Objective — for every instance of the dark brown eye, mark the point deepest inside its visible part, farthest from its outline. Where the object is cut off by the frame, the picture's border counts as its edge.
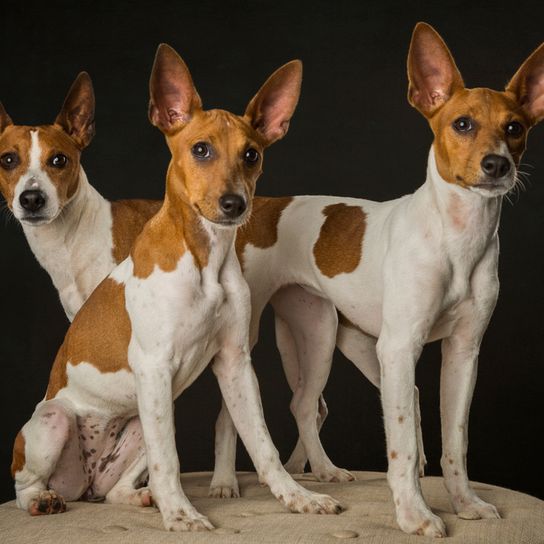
(514, 129)
(251, 156)
(9, 161)
(463, 124)
(58, 161)
(201, 150)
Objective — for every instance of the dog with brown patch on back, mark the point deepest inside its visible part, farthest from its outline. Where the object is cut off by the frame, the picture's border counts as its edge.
(75, 234)
(395, 275)
(149, 329)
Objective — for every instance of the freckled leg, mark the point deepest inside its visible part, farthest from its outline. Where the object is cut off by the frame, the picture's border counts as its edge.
(398, 358)
(224, 483)
(306, 337)
(458, 378)
(121, 471)
(53, 472)
(241, 393)
(361, 350)
(155, 406)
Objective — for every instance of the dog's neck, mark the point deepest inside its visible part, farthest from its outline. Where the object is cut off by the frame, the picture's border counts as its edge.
(71, 247)
(209, 243)
(467, 219)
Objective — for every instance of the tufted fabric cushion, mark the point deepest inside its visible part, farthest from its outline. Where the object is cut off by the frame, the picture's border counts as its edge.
(257, 518)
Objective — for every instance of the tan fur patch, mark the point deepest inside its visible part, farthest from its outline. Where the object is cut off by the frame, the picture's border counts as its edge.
(339, 246)
(129, 218)
(52, 140)
(100, 338)
(19, 458)
(459, 156)
(261, 230)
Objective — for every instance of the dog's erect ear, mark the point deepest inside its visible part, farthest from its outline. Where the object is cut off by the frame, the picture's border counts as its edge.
(527, 85)
(271, 109)
(76, 117)
(432, 74)
(5, 119)
(173, 95)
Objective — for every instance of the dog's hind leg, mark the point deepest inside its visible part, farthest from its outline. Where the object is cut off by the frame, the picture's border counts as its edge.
(47, 464)
(306, 335)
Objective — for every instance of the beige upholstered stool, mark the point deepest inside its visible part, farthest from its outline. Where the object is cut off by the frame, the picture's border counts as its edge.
(257, 518)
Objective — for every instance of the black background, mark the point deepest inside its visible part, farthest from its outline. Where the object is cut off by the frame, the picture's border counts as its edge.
(354, 134)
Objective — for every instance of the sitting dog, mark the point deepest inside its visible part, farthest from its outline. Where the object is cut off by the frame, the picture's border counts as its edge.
(176, 303)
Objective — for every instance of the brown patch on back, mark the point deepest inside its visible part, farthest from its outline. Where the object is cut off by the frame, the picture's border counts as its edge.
(339, 246)
(129, 218)
(99, 338)
(18, 460)
(261, 230)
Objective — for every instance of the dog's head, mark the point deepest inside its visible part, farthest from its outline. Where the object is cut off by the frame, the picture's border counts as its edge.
(39, 165)
(217, 156)
(480, 134)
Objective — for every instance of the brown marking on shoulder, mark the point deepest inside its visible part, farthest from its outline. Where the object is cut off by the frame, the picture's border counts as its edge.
(100, 338)
(339, 246)
(128, 220)
(166, 237)
(18, 459)
(261, 230)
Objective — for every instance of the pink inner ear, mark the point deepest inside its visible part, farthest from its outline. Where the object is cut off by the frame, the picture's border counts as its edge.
(275, 113)
(535, 95)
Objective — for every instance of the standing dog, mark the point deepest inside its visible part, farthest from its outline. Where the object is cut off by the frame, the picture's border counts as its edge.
(150, 328)
(400, 273)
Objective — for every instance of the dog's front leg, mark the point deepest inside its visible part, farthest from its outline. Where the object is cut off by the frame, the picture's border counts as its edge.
(398, 356)
(457, 381)
(240, 390)
(155, 405)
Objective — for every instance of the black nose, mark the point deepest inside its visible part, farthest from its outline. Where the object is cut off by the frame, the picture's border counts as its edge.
(232, 206)
(32, 200)
(495, 166)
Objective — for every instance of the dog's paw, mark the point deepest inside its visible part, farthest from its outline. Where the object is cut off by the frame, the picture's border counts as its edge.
(475, 508)
(224, 492)
(311, 503)
(421, 522)
(183, 522)
(334, 474)
(47, 502)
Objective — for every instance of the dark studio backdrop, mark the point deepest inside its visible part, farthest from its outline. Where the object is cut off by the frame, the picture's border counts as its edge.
(353, 134)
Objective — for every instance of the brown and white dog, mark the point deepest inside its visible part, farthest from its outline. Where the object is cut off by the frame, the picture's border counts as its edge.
(176, 303)
(399, 274)
(75, 233)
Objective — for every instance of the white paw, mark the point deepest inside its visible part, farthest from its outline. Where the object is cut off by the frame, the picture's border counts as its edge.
(475, 508)
(183, 522)
(333, 474)
(421, 522)
(311, 503)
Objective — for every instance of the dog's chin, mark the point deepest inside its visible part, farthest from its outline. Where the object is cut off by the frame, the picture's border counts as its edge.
(37, 220)
(492, 188)
(225, 223)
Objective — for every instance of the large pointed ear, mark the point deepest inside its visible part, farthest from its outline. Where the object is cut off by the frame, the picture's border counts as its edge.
(173, 95)
(527, 85)
(271, 109)
(76, 117)
(432, 74)
(5, 119)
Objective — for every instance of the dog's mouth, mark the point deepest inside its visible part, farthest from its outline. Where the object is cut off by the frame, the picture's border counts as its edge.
(36, 220)
(493, 187)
